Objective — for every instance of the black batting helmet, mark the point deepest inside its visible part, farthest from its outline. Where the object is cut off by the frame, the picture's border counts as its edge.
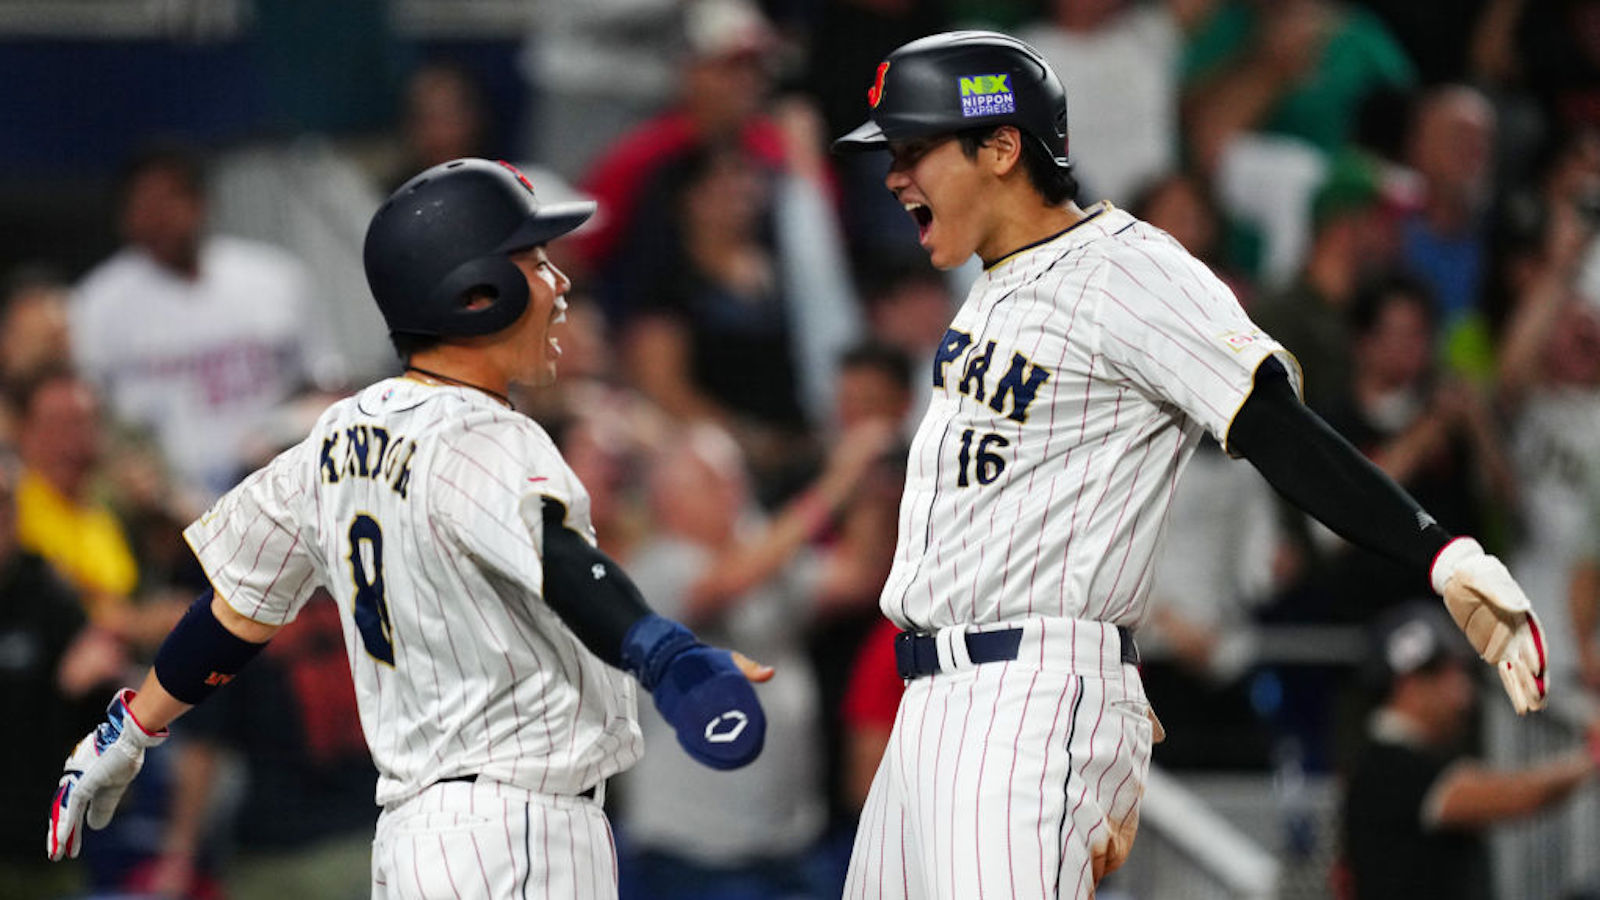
(447, 233)
(959, 80)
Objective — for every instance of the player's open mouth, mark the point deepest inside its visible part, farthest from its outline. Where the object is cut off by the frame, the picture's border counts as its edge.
(923, 216)
(559, 317)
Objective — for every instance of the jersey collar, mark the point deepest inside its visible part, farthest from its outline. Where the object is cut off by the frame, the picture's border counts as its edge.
(1094, 212)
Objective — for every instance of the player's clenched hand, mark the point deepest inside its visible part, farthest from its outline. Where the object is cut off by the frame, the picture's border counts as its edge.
(96, 775)
(1494, 613)
(703, 692)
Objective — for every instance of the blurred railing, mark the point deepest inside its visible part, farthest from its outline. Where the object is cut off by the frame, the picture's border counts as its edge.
(1555, 855)
(1187, 850)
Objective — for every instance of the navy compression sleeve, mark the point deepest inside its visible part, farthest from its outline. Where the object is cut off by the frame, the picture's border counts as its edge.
(587, 589)
(1321, 473)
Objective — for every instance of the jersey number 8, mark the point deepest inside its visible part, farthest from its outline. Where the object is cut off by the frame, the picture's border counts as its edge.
(371, 610)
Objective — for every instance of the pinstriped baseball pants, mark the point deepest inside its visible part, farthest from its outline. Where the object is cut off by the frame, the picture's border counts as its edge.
(491, 841)
(1017, 779)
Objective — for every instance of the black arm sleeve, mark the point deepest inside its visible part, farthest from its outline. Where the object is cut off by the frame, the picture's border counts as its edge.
(587, 589)
(1320, 472)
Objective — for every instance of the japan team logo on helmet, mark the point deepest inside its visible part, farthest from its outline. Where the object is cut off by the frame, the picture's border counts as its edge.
(875, 93)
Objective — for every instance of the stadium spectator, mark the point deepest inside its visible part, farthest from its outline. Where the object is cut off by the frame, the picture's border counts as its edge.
(1299, 68)
(1352, 239)
(1416, 808)
(845, 527)
(33, 323)
(1451, 147)
(724, 318)
(908, 305)
(723, 83)
(696, 833)
(1548, 384)
(445, 117)
(59, 443)
(1432, 433)
(53, 669)
(1119, 61)
(189, 335)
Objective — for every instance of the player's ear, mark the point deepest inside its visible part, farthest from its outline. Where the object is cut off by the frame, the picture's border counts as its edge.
(1005, 146)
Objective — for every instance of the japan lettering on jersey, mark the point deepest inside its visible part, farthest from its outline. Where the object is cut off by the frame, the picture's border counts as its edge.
(1068, 393)
(419, 508)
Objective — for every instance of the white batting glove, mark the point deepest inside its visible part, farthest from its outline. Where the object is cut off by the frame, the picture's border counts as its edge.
(96, 775)
(1495, 615)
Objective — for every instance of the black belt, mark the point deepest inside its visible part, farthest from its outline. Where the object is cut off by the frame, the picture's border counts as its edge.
(587, 793)
(916, 655)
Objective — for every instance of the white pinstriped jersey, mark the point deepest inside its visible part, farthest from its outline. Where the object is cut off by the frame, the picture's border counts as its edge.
(1069, 392)
(419, 507)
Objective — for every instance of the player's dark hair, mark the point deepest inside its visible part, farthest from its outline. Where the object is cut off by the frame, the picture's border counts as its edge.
(1396, 287)
(1055, 184)
(878, 356)
(408, 345)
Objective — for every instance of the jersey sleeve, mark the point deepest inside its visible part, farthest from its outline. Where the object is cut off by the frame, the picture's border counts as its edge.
(1177, 332)
(492, 485)
(253, 542)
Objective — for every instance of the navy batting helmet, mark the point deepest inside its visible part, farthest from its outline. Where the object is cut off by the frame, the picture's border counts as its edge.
(959, 80)
(447, 234)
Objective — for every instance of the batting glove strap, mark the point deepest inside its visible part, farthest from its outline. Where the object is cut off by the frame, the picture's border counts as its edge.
(1451, 556)
(650, 645)
(97, 774)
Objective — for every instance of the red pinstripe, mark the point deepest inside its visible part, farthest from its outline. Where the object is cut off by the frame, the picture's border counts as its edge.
(1137, 471)
(1150, 559)
(983, 760)
(1182, 287)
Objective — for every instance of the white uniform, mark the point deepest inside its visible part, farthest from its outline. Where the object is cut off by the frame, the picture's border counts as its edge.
(199, 362)
(1070, 390)
(419, 508)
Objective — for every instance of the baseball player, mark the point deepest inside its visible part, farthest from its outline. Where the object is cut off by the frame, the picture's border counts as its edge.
(486, 633)
(1068, 393)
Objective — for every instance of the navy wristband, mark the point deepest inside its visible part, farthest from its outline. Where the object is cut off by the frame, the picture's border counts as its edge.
(650, 645)
(200, 655)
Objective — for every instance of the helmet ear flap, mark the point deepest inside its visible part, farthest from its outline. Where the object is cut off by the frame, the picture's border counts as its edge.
(494, 276)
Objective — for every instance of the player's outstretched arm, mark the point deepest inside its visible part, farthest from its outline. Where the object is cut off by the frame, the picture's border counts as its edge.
(207, 647)
(703, 692)
(1321, 473)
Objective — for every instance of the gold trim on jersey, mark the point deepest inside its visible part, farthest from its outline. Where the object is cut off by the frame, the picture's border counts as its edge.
(1299, 388)
(1104, 206)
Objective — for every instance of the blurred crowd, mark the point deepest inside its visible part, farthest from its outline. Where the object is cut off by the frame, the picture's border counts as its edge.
(1406, 193)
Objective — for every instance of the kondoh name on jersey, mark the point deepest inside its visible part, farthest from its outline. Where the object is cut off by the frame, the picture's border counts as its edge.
(368, 451)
